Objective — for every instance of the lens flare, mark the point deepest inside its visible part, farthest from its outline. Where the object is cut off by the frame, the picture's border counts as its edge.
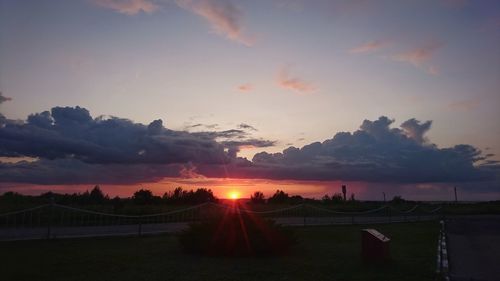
(234, 195)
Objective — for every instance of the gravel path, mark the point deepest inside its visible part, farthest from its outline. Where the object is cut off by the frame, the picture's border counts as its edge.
(474, 248)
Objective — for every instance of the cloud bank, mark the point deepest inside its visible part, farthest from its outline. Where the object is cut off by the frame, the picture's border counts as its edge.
(71, 147)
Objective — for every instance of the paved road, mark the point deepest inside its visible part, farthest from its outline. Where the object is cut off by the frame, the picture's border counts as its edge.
(10, 234)
(474, 248)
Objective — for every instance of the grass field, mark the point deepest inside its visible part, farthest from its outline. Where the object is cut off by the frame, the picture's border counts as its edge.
(323, 253)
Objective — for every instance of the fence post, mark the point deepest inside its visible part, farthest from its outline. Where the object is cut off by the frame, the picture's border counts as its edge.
(49, 223)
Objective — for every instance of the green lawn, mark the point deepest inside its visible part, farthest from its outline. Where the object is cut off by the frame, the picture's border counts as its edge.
(323, 253)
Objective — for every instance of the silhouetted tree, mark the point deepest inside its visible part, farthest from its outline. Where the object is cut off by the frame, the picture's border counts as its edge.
(337, 198)
(96, 195)
(257, 198)
(397, 200)
(295, 199)
(118, 203)
(143, 196)
(202, 195)
(278, 197)
(352, 199)
(180, 196)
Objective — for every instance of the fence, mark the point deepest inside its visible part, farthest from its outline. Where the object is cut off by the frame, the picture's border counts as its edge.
(60, 221)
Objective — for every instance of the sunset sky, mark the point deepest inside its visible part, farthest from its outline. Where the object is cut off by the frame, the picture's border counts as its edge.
(400, 97)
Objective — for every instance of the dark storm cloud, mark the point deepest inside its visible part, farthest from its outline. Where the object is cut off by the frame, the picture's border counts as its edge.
(375, 152)
(72, 147)
(71, 133)
(235, 139)
(72, 171)
(234, 146)
(416, 130)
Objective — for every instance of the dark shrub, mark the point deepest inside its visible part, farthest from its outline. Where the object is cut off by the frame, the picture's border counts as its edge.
(237, 235)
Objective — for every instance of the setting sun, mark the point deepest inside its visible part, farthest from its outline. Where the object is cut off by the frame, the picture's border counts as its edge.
(234, 195)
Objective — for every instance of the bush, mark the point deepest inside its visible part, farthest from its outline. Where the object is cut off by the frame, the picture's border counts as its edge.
(237, 235)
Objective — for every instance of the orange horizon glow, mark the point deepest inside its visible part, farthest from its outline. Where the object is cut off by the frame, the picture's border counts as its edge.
(233, 195)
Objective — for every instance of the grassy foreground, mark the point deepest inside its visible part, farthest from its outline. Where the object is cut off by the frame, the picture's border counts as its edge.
(323, 253)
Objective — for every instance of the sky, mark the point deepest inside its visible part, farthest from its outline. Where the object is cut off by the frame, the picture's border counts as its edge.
(387, 96)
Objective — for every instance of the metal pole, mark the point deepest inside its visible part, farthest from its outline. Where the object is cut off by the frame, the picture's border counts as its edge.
(49, 223)
(455, 189)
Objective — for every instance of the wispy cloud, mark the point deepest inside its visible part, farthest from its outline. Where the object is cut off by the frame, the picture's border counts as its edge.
(465, 105)
(128, 7)
(224, 18)
(420, 57)
(247, 87)
(245, 126)
(369, 47)
(286, 81)
(4, 98)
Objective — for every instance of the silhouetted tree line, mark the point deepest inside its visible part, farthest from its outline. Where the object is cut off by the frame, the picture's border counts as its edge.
(281, 197)
(201, 195)
(97, 197)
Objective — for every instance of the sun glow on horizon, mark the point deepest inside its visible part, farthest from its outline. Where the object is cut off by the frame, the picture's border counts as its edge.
(234, 195)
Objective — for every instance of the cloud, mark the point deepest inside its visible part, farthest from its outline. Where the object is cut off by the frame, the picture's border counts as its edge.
(465, 105)
(374, 153)
(3, 120)
(200, 125)
(247, 87)
(368, 47)
(247, 127)
(295, 84)
(416, 130)
(73, 171)
(224, 18)
(128, 7)
(71, 133)
(68, 146)
(4, 98)
(420, 56)
(234, 146)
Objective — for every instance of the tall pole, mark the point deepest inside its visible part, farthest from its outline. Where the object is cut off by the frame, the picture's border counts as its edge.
(455, 189)
(344, 191)
(383, 193)
(49, 222)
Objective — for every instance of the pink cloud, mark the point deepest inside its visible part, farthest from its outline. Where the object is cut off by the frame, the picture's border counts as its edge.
(464, 105)
(420, 56)
(247, 87)
(128, 7)
(222, 15)
(298, 85)
(368, 47)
